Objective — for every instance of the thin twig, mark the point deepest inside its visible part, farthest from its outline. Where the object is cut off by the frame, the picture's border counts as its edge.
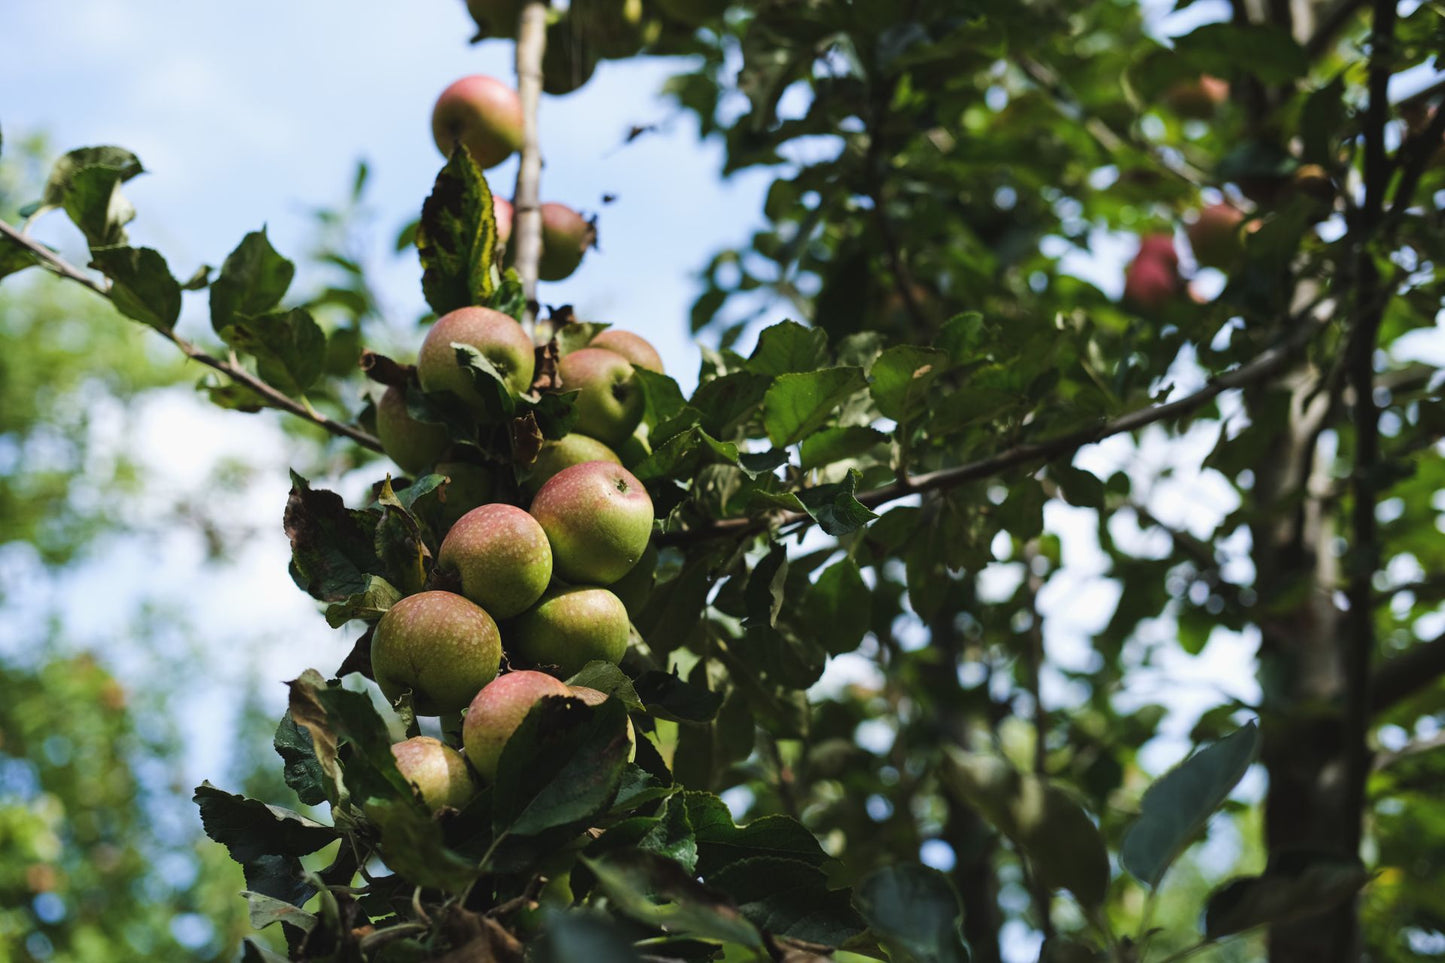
(527, 230)
(1405, 674)
(276, 399)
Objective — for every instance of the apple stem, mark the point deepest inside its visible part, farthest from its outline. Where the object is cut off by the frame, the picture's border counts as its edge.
(527, 228)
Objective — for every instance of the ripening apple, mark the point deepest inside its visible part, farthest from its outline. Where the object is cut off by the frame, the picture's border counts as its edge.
(440, 646)
(611, 403)
(598, 518)
(557, 454)
(633, 347)
(413, 445)
(1214, 237)
(595, 697)
(497, 711)
(503, 558)
(566, 236)
(436, 770)
(1150, 283)
(484, 114)
(498, 337)
(569, 628)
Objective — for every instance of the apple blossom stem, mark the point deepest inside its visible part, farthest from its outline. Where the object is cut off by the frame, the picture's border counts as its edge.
(274, 398)
(527, 233)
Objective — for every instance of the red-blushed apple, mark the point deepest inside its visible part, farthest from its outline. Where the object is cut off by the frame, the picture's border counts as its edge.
(598, 518)
(610, 405)
(496, 18)
(413, 445)
(497, 711)
(484, 114)
(557, 454)
(1214, 237)
(1150, 283)
(436, 770)
(633, 347)
(1197, 99)
(498, 337)
(569, 628)
(502, 556)
(468, 486)
(595, 697)
(566, 236)
(439, 645)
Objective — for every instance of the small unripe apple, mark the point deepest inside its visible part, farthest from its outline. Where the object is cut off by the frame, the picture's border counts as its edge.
(440, 646)
(498, 337)
(569, 628)
(497, 711)
(566, 236)
(598, 518)
(436, 770)
(557, 454)
(502, 556)
(468, 486)
(1215, 236)
(484, 114)
(413, 445)
(633, 347)
(1198, 99)
(594, 698)
(611, 403)
(496, 18)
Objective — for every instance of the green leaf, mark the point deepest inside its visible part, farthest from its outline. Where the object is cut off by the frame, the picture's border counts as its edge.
(837, 608)
(1266, 51)
(561, 767)
(727, 403)
(302, 770)
(249, 828)
(835, 507)
(1177, 806)
(659, 892)
(412, 846)
(668, 697)
(903, 379)
(333, 548)
(337, 719)
(915, 914)
(498, 402)
(661, 396)
(254, 951)
(141, 287)
(14, 257)
(583, 936)
(289, 346)
(253, 280)
(457, 238)
(789, 897)
(369, 604)
(837, 444)
(788, 347)
(85, 183)
(764, 594)
(796, 405)
(720, 841)
(266, 910)
(608, 678)
(1314, 884)
(965, 337)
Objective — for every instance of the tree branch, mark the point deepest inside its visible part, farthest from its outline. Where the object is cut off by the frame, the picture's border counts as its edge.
(1267, 363)
(276, 399)
(1397, 678)
(527, 230)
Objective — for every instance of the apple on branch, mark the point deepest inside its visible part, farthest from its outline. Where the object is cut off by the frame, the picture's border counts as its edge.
(496, 336)
(598, 519)
(440, 646)
(483, 114)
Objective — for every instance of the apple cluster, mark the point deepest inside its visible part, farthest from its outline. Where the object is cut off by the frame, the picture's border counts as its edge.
(535, 560)
(484, 115)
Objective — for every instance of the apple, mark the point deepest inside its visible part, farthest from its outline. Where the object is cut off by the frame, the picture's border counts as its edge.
(635, 587)
(569, 628)
(502, 211)
(498, 337)
(502, 556)
(557, 454)
(440, 646)
(1214, 236)
(610, 405)
(497, 711)
(484, 114)
(436, 770)
(633, 347)
(566, 236)
(1197, 99)
(568, 60)
(496, 18)
(611, 28)
(468, 486)
(413, 445)
(595, 697)
(1150, 283)
(598, 518)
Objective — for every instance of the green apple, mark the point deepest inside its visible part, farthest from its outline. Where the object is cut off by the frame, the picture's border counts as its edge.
(633, 347)
(498, 337)
(611, 402)
(611, 28)
(439, 645)
(568, 62)
(566, 236)
(502, 556)
(569, 628)
(498, 710)
(571, 449)
(483, 113)
(468, 485)
(595, 697)
(436, 770)
(413, 445)
(598, 518)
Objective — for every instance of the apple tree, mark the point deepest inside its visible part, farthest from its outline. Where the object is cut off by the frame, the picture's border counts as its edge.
(881, 478)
